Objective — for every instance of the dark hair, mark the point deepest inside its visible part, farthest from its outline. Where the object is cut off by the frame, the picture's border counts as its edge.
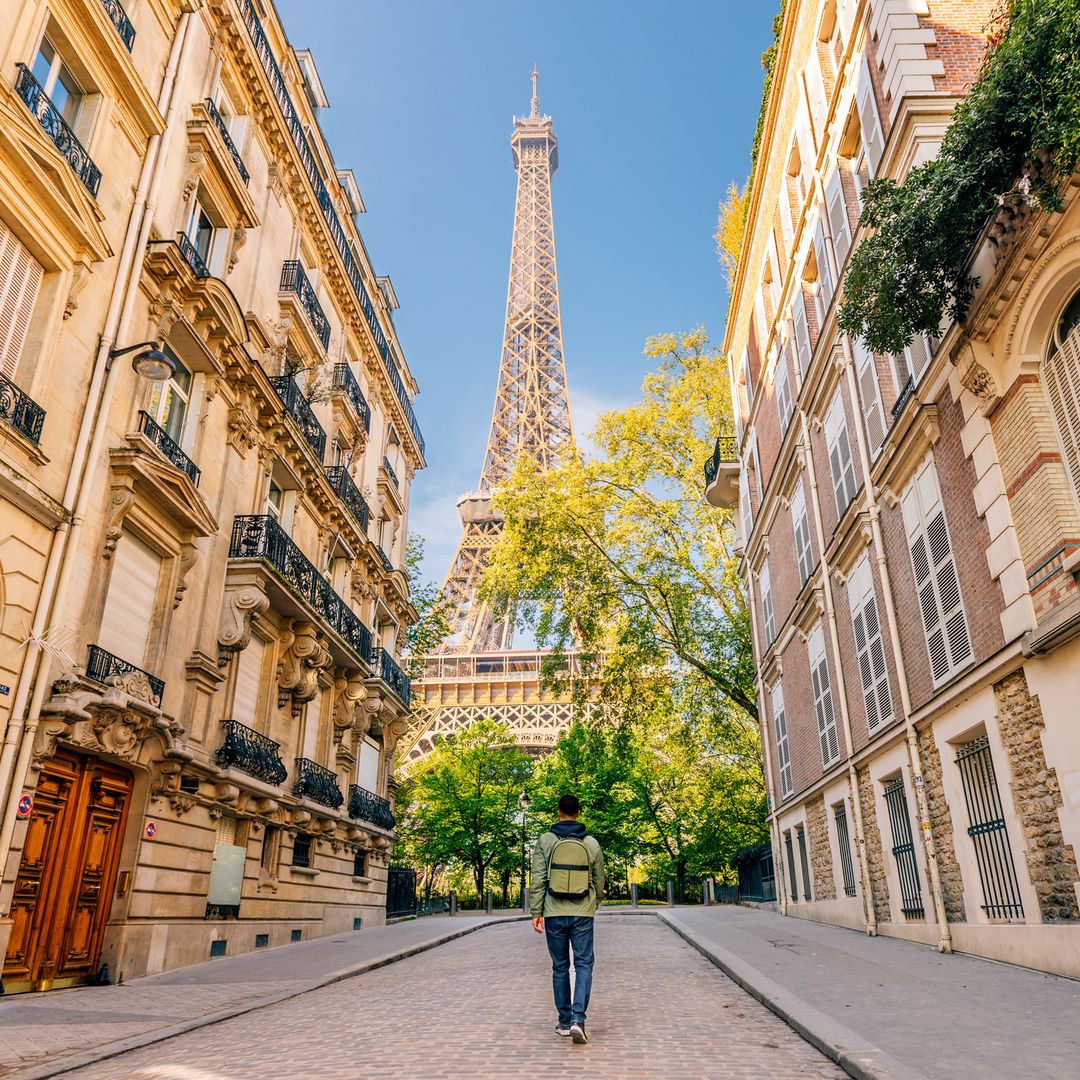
(569, 806)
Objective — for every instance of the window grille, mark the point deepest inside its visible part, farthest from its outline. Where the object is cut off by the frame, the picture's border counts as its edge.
(911, 903)
(789, 852)
(843, 842)
(301, 852)
(807, 893)
(997, 871)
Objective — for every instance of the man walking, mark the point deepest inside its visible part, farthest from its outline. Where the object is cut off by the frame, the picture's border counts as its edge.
(567, 885)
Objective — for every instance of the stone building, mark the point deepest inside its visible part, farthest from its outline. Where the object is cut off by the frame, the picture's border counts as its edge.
(207, 440)
(908, 524)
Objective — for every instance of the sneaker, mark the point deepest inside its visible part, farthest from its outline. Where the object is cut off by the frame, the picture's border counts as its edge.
(562, 1029)
(577, 1033)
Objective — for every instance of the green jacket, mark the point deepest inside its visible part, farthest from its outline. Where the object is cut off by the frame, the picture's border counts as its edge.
(540, 900)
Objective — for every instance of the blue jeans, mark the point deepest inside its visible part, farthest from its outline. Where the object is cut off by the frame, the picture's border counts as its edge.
(563, 933)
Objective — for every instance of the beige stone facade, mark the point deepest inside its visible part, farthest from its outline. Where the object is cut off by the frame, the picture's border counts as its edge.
(909, 524)
(202, 583)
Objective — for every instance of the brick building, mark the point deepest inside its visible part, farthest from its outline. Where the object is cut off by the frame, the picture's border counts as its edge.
(908, 524)
(207, 441)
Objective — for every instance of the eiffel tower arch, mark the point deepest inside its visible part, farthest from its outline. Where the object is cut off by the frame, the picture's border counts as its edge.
(477, 673)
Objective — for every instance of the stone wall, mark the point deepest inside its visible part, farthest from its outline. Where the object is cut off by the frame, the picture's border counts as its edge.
(817, 833)
(952, 883)
(1051, 862)
(875, 856)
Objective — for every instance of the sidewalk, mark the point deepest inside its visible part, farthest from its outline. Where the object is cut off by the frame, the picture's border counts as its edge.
(47, 1034)
(886, 1009)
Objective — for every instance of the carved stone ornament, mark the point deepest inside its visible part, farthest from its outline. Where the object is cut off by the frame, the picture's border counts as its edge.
(243, 430)
(238, 608)
(350, 692)
(239, 238)
(979, 382)
(120, 502)
(189, 554)
(80, 275)
(196, 162)
(304, 657)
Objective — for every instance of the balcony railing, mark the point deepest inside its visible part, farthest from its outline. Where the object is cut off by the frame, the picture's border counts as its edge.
(114, 9)
(24, 414)
(226, 138)
(250, 752)
(316, 782)
(905, 392)
(296, 405)
(390, 672)
(345, 381)
(349, 494)
(387, 565)
(724, 451)
(192, 256)
(390, 472)
(259, 536)
(102, 666)
(55, 126)
(326, 206)
(157, 435)
(364, 805)
(293, 279)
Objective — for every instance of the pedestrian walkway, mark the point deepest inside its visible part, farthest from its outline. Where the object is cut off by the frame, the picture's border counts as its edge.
(481, 1008)
(890, 1008)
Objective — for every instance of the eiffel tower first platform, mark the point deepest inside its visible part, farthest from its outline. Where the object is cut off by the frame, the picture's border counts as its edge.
(476, 673)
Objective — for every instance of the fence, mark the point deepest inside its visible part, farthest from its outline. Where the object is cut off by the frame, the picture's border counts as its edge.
(400, 892)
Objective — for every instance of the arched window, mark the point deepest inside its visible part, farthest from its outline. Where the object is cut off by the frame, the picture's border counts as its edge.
(1061, 374)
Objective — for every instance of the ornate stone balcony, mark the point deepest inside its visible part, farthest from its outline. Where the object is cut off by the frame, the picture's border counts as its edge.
(387, 564)
(297, 407)
(722, 474)
(109, 670)
(245, 749)
(156, 434)
(364, 805)
(191, 256)
(20, 411)
(317, 783)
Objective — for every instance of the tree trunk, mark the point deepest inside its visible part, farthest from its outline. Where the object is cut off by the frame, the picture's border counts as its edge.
(506, 886)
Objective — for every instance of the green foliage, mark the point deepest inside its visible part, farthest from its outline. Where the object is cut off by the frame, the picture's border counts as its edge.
(431, 628)
(1015, 137)
(768, 64)
(731, 228)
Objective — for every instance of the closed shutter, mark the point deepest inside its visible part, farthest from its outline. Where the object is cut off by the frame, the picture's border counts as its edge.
(129, 603)
(801, 526)
(936, 581)
(1062, 374)
(869, 122)
(918, 355)
(839, 447)
(783, 391)
(802, 329)
(815, 85)
(869, 646)
(20, 281)
(368, 768)
(870, 393)
(746, 510)
(249, 667)
(310, 745)
(845, 13)
(823, 698)
(824, 270)
(836, 206)
(766, 604)
(783, 755)
(787, 227)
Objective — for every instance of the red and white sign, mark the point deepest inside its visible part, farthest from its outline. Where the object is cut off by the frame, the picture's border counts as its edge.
(151, 830)
(26, 804)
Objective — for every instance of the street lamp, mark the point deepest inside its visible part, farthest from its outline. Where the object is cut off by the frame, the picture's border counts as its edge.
(151, 363)
(523, 802)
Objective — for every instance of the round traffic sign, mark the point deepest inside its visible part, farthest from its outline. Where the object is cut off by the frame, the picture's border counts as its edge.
(26, 804)
(150, 831)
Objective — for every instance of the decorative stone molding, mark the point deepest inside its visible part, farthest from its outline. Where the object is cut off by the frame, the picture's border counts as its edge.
(80, 275)
(902, 463)
(238, 608)
(243, 430)
(350, 693)
(120, 502)
(304, 657)
(189, 555)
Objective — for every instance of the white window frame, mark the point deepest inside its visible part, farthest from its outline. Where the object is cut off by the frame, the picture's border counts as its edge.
(21, 276)
(841, 465)
(824, 709)
(800, 526)
(782, 390)
(1061, 382)
(869, 646)
(783, 750)
(800, 328)
(873, 410)
(768, 618)
(836, 211)
(873, 137)
(824, 270)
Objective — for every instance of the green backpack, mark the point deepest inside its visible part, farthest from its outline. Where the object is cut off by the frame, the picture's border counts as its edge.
(568, 869)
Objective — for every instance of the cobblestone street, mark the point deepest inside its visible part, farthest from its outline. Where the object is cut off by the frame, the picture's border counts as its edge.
(481, 1007)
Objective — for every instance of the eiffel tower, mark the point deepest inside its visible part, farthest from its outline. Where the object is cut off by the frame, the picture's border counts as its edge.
(476, 673)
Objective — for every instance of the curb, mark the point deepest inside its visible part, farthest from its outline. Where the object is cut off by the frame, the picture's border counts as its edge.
(851, 1051)
(121, 1046)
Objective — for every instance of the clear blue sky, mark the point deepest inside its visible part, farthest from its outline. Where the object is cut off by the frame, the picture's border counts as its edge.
(654, 106)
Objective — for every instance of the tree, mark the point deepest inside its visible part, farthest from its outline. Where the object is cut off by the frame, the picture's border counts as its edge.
(461, 807)
(730, 229)
(431, 628)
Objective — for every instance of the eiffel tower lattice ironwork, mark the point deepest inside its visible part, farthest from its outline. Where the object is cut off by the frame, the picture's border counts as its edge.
(476, 673)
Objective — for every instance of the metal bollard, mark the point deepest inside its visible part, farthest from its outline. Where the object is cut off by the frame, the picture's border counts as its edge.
(525, 900)
(708, 893)
(670, 893)
(633, 894)
(453, 901)
(490, 907)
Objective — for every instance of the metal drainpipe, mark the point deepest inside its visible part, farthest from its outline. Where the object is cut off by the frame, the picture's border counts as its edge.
(914, 754)
(830, 611)
(58, 570)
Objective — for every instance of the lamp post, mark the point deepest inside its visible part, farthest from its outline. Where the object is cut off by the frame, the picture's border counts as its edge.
(523, 802)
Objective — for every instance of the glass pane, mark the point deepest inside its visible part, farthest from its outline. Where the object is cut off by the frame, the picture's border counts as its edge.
(66, 96)
(182, 377)
(173, 411)
(204, 232)
(1069, 318)
(43, 64)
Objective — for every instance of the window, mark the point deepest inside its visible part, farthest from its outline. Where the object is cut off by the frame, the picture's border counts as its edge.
(169, 400)
(911, 903)
(869, 646)
(20, 281)
(869, 123)
(275, 500)
(800, 832)
(368, 766)
(767, 605)
(60, 86)
(309, 745)
(782, 385)
(129, 602)
(271, 850)
(824, 270)
(912, 362)
(800, 524)
(823, 700)
(870, 393)
(815, 87)
(839, 447)
(200, 231)
(936, 579)
(249, 670)
(836, 206)
(1061, 373)
(793, 881)
(783, 755)
(301, 850)
(843, 842)
(359, 864)
(801, 329)
(746, 509)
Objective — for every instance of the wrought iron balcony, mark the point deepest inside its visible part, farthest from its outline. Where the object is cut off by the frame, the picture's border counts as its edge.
(55, 126)
(101, 666)
(293, 279)
(390, 472)
(365, 805)
(390, 672)
(722, 473)
(388, 566)
(345, 382)
(259, 536)
(24, 414)
(157, 435)
(245, 749)
(114, 9)
(192, 256)
(296, 131)
(905, 392)
(296, 406)
(349, 493)
(226, 138)
(316, 782)
(724, 451)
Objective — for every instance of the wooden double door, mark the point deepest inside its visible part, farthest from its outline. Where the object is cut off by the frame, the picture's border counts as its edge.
(67, 875)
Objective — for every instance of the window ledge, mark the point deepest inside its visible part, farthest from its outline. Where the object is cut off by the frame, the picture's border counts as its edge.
(304, 871)
(362, 880)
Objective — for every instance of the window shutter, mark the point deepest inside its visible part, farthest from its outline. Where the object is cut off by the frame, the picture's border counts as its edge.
(823, 701)
(249, 665)
(918, 355)
(815, 85)
(802, 329)
(824, 270)
(765, 583)
(839, 447)
(869, 122)
(368, 769)
(787, 226)
(84, 122)
(870, 393)
(836, 206)
(869, 646)
(783, 391)
(801, 527)
(845, 13)
(746, 511)
(20, 280)
(1062, 375)
(783, 755)
(129, 603)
